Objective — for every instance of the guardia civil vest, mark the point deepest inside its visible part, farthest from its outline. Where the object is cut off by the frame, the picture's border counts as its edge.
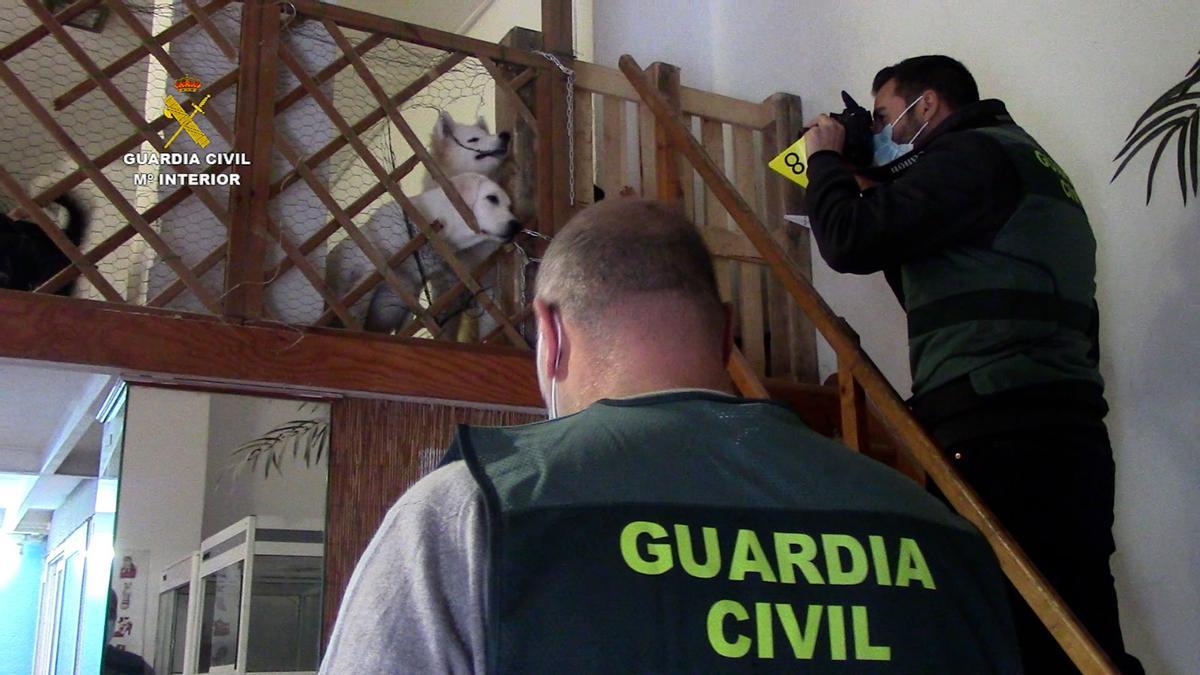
(1018, 310)
(699, 533)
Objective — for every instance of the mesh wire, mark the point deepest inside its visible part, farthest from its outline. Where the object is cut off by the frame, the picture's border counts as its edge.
(191, 230)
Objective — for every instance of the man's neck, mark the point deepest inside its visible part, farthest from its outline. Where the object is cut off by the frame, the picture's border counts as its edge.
(639, 384)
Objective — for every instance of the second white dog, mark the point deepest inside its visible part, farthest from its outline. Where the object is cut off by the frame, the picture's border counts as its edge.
(389, 229)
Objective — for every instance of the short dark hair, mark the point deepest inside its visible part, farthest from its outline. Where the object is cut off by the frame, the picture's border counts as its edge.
(621, 247)
(948, 77)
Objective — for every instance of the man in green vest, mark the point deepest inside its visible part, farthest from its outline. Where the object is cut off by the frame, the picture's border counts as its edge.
(983, 239)
(657, 523)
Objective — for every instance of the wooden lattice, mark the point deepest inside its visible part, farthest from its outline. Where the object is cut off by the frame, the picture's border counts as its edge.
(250, 214)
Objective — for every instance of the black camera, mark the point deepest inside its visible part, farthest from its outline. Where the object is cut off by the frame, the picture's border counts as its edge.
(859, 148)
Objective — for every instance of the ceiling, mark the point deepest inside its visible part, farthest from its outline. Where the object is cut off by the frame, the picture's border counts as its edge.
(49, 439)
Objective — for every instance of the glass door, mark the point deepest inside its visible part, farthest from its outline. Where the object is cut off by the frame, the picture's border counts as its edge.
(58, 645)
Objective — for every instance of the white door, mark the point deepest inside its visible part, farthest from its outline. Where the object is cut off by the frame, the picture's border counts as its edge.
(61, 613)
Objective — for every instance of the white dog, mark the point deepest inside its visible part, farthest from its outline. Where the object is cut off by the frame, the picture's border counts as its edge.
(465, 148)
(389, 229)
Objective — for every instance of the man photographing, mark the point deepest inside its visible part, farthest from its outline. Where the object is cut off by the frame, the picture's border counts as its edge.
(984, 241)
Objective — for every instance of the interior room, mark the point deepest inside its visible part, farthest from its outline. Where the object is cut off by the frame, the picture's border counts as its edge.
(202, 423)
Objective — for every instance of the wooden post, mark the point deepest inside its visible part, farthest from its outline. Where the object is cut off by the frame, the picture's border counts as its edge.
(519, 174)
(666, 160)
(558, 37)
(558, 27)
(253, 135)
(854, 410)
(553, 165)
(793, 337)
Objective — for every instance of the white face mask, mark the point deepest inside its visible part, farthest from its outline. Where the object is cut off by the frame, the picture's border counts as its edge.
(887, 150)
(552, 404)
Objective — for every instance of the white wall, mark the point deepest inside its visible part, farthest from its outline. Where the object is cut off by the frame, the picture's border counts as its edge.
(679, 32)
(1076, 75)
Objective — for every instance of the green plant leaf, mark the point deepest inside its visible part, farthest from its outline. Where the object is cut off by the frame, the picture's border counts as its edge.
(1154, 162)
(1195, 156)
(304, 438)
(1182, 159)
(1176, 111)
(1161, 130)
(1150, 126)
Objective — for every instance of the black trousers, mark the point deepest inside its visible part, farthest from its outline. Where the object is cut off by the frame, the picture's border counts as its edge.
(1052, 488)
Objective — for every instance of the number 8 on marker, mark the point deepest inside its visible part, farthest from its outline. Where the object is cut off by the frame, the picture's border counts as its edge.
(792, 163)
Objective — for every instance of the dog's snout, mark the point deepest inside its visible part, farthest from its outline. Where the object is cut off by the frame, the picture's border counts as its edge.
(511, 229)
(505, 137)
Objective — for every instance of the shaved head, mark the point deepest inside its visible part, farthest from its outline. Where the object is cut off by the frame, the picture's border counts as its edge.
(622, 250)
(627, 304)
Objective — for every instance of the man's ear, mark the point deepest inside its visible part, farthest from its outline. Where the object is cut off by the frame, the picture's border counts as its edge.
(445, 125)
(468, 186)
(548, 337)
(932, 106)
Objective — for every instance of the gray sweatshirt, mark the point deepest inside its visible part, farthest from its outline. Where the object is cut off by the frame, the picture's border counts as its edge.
(415, 603)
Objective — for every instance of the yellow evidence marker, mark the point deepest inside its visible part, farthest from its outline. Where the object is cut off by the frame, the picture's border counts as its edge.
(792, 163)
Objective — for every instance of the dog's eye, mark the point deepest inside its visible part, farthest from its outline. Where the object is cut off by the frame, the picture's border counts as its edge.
(473, 140)
(493, 199)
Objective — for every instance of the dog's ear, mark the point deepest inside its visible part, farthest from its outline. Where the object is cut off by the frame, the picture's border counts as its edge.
(445, 125)
(469, 185)
(483, 124)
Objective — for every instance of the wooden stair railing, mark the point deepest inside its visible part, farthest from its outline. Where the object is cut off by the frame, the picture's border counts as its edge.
(856, 371)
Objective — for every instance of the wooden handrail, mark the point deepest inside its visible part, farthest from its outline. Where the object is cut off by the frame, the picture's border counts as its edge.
(744, 377)
(1042, 598)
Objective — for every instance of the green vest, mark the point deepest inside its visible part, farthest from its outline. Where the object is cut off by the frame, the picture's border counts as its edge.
(1016, 311)
(692, 532)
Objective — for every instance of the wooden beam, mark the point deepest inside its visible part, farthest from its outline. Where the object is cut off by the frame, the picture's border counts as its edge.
(558, 27)
(743, 376)
(854, 411)
(666, 160)
(197, 349)
(794, 340)
(254, 135)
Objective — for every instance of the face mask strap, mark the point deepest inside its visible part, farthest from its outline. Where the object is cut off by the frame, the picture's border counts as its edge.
(558, 358)
(552, 410)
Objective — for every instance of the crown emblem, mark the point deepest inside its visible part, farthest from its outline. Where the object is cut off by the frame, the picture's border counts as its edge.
(188, 85)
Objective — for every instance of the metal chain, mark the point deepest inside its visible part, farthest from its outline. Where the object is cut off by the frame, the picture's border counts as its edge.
(529, 261)
(570, 119)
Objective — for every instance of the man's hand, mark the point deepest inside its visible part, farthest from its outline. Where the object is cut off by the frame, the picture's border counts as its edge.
(825, 133)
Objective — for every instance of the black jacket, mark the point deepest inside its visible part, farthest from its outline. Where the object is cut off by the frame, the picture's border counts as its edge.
(961, 187)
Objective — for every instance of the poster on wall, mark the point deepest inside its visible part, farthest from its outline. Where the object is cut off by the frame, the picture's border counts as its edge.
(129, 583)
